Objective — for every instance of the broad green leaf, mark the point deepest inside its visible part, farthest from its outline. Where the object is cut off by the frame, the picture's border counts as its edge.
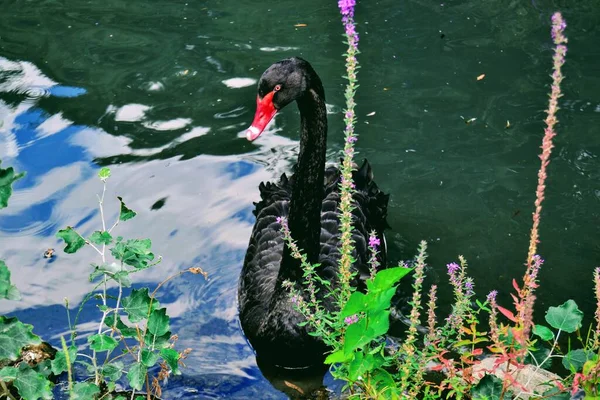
(104, 174)
(137, 376)
(59, 364)
(566, 317)
(356, 367)
(380, 300)
(357, 335)
(7, 178)
(356, 303)
(101, 237)
(125, 213)
(13, 336)
(158, 342)
(134, 252)
(387, 278)
(8, 374)
(73, 239)
(32, 385)
(575, 359)
(84, 391)
(124, 329)
(158, 323)
(137, 305)
(338, 357)
(556, 394)
(385, 383)
(113, 371)
(114, 272)
(7, 290)
(172, 358)
(488, 388)
(149, 358)
(379, 323)
(102, 342)
(544, 332)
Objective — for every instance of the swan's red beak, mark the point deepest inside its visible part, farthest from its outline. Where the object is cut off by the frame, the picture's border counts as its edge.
(265, 111)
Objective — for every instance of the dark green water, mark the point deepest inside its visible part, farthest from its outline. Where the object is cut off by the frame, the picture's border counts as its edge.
(150, 89)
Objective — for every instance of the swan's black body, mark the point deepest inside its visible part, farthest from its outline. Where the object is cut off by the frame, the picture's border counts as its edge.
(309, 200)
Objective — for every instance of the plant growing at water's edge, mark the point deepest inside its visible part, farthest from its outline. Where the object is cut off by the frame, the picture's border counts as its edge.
(147, 338)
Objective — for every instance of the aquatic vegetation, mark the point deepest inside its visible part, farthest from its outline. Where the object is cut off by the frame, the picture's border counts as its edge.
(467, 356)
(144, 335)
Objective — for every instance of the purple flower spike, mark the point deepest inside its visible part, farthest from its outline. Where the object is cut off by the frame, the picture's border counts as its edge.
(374, 242)
(352, 139)
(492, 295)
(351, 319)
(452, 268)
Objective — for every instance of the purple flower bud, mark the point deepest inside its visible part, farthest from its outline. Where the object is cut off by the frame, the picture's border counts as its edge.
(351, 319)
(374, 242)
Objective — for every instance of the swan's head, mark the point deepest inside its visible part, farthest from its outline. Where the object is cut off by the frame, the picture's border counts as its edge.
(282, 83)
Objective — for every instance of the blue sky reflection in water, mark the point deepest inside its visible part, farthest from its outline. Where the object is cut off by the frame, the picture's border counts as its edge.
(162, 94)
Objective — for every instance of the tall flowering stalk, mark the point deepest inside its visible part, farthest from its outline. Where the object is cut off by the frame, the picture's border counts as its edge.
(347, 185)
(558, 27)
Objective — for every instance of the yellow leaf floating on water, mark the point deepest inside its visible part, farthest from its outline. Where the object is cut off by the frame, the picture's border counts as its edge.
(300, 25)
(480, 77)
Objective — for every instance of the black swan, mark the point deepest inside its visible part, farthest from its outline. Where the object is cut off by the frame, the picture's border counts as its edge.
(309, 200)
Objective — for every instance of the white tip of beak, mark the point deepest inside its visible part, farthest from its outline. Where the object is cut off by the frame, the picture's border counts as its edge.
(252, 133)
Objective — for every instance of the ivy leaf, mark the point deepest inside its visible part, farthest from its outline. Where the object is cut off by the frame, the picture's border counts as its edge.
(488, 388)
(137, 305)
(566, 317)
(114, 272)
(32, 385)
(124, 329)
(7, 178)
(102, 342)
(59, 364)
(113, 371)
(73, 239)
(379, 323)
(137, 376)
(101, 237)
(134, 252)
(84, 391)
(575, 359)
(149, 358)
(544, 332)
(158, 342)
(8, 374)
(158, 323)
(14, 335)
(356, 303)
(125, 213)
(357, 335)
(7, 290)
(172, 358)
(104, 174)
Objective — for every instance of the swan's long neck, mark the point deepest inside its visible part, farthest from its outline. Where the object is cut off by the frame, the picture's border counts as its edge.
(307, 187)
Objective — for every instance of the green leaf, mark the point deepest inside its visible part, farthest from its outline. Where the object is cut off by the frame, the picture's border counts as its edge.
(158, 323)
(59, 364)
(566, 317)
(488, 388)
(73, 239)
(32, 385)
(137, 376)
(356, 303)
(134, 252)
(356, 367)
(7, 290)
(149, 358)
(357, 335)
(84, 391)
(575, 359)
(387, 278)
(8, 374)
(113, 371)
(104, 174)
(158, 342)
(556, 394)
(125, 213)
(102, 342)
(124, 329)
(101, 237)
(114, 272)
(7, 178)
(379, 323)
(172, 358)
(544, 332)
(537, 356)
(14, 335)
(338, 357)
(137, 305)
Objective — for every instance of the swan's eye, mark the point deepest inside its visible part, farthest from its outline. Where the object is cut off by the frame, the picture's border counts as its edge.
(277, 88)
